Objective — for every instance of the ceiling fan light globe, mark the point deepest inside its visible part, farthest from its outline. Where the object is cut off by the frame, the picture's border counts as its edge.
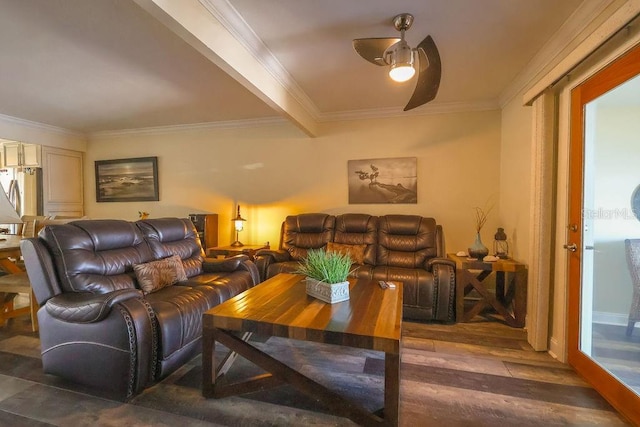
(401, 72)
(400, 58)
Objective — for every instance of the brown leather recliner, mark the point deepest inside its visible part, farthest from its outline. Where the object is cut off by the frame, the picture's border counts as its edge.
(97, 327)
(406, 248)
(298, 234)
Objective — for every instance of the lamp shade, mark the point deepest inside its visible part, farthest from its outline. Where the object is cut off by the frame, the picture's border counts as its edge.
(8, 214)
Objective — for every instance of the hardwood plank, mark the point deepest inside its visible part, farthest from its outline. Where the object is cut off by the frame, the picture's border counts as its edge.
(461, 363)
(482, 329)
(559, 374)
(451, 406)
(503, 353)
(462, 337)
(515, 387)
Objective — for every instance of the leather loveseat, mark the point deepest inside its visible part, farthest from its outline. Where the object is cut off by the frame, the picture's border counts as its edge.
(97, 326)
(406, 248)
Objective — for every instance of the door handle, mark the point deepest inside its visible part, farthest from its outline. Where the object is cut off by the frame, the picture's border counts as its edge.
(570, 247)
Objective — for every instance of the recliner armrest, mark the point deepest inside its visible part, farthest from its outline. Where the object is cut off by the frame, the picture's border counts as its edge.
(440, 261)
(266, 257)
(444, 279)
(276, 255)
(214, 265)
(77, 307)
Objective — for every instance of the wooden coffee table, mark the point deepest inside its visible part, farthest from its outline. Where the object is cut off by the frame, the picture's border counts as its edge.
(370, 319)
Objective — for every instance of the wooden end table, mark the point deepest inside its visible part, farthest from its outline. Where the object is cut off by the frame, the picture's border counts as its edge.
(370, 319)
(510, 299)
(228, 251)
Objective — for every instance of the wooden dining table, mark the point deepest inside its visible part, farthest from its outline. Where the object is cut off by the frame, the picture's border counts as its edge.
(10, 252)
(14, 281)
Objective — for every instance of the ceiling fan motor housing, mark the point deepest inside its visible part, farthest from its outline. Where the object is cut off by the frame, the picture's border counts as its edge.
(403, 21)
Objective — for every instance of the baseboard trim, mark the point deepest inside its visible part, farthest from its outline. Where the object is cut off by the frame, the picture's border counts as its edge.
(605, 318)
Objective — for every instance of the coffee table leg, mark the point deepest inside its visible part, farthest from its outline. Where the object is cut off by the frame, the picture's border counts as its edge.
(391, 388)
(208, 363)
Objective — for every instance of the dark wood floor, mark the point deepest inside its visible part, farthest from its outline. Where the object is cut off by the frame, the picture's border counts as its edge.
(472, 374)
(618, 353)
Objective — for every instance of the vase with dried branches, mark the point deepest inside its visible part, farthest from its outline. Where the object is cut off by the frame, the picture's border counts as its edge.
(478, 250)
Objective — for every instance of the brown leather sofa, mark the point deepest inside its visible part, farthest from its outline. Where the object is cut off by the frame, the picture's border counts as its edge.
(406, 248)
(97, 327)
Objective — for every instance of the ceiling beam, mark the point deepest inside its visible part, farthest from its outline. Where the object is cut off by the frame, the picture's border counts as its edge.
(191, 21)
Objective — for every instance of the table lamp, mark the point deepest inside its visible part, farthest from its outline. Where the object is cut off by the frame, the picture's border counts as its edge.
(8, 214)
(238, 222)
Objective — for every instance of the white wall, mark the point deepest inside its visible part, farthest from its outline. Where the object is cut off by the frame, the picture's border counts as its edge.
(274, 171)
(515, 176)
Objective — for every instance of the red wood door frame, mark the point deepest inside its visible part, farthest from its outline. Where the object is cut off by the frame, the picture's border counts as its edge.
(618, 72)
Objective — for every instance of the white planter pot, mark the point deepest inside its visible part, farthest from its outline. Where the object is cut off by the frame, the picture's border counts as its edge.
(331, 293)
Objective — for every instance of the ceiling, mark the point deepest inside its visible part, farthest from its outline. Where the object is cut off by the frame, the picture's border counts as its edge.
(108, 65)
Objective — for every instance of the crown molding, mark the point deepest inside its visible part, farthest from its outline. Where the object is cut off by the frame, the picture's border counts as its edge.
(15, 121)
(229, 124)
(382, 113)
(233, 22)
(550, 53)
(430, 109)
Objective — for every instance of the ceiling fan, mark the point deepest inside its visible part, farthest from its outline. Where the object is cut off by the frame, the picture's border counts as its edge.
(396, 53)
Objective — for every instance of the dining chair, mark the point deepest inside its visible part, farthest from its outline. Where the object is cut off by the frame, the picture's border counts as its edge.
(632, 250)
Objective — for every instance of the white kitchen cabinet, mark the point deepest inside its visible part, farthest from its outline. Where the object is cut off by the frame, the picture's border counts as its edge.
(17, 154)
(31, 155)
(11, 152)
(62, 182)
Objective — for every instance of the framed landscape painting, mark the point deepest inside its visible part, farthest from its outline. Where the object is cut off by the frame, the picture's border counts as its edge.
(392, 180)
(127, 180)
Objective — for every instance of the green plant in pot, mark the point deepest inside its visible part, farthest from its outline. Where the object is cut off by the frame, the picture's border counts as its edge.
(326, 274)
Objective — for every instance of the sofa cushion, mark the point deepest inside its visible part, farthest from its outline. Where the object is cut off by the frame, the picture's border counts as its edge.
(155, 275)
(355, 252)
(223, 285)
(178, 311)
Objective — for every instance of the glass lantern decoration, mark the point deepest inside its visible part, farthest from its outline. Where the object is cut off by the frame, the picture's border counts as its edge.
(238, 225)
(500, 245)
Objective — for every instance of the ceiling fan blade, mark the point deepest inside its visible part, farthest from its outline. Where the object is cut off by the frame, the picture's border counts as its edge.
(372, 49)
(429, 74)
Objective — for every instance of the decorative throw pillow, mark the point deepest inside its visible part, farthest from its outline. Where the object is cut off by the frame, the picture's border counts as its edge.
(355, 252)
(155, 275)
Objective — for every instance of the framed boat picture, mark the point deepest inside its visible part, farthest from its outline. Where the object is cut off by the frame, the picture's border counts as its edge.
(127, 180)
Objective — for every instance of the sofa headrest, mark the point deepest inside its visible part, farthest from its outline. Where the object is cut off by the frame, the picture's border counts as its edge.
(174, 236)
(306, 231)
(105, 234)
(406, 240)
(358, 229)
(96, 256)
(167, 229)
(356, 223)
(310, 223)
